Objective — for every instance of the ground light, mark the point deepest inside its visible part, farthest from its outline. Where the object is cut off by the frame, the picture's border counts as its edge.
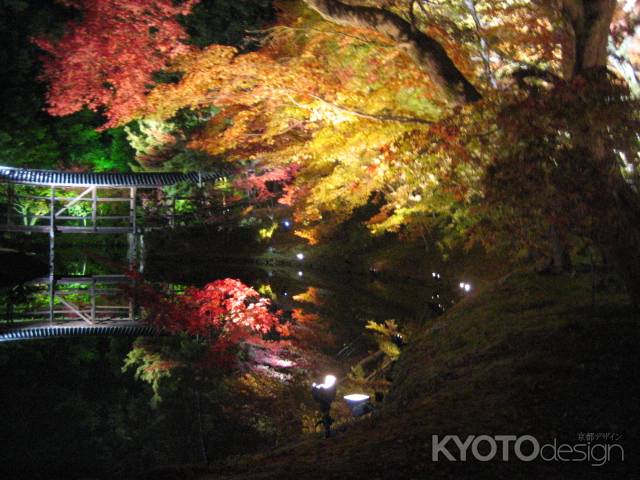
(325, 393)
(398, 340)
(359, 404)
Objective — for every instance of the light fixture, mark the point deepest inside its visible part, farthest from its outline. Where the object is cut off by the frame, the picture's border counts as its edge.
(398, 340)
(286, 223)
(300, 273)
(465, 286)
(325, 393)
(300, 256)
(435, 275)
(359, 404)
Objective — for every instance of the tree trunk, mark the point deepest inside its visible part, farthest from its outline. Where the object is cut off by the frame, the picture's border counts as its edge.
(426, 52)
(560, 256)
(618, 234)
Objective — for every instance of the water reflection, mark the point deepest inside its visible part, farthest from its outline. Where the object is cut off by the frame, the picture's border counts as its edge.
(72, 301)
(90, 397)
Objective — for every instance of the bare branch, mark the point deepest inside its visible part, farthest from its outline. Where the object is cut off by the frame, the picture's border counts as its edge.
(360, 113)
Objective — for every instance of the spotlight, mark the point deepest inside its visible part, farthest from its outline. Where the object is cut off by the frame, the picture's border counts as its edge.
(359, 404)
(398, 340)
(325, 394)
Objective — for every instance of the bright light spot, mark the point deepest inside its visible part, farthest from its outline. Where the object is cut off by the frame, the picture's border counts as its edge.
(465, 286)
(461, 285)
(300, 256)
(286, 223)
(435, 275)
(329, 381)
(356, 397)
(300, 273)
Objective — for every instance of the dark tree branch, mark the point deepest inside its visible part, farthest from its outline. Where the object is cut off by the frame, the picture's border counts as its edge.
(428, 54)
(361, 114)
(522, 74)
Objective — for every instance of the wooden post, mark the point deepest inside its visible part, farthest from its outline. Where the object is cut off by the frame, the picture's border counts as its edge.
(172, 218)
(93, 299)
(94, 208)
(132, 209)
(134, 227)
(52, 253)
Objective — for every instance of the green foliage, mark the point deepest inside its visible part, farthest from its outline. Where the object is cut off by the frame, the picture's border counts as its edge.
(384, 333)
(162, 145)
(227, 22)
(68, 142)
(150, 367)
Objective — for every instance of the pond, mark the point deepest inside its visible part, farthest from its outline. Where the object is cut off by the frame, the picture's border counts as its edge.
(112, 406)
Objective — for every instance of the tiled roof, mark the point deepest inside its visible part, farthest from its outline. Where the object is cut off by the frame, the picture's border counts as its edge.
(55, 332)
(53, 177)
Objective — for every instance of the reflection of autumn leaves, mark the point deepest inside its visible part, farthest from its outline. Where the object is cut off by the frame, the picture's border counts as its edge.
(310, 331)
(227, 312)
(310, 296)
(301, 316)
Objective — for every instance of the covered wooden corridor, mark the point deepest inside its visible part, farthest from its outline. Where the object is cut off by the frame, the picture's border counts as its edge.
(78, 202)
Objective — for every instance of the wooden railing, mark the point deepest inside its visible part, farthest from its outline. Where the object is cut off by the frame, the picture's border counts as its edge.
(93, 300)
(147, 212)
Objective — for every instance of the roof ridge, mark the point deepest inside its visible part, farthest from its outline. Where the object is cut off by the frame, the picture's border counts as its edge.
(109, 179)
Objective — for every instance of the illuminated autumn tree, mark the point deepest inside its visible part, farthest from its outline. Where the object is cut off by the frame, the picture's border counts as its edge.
(440, 114)
(107, 61)
(581, 148)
